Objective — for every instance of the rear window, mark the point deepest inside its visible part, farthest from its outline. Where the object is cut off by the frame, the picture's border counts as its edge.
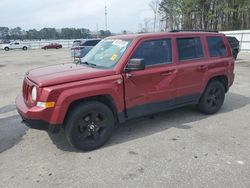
(91, 42)
(216, 46)
(189, 48)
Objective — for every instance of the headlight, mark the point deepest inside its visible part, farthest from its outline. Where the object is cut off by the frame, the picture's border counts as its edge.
(34, 93)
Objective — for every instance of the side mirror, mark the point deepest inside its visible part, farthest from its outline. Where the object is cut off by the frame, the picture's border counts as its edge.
(135, 64)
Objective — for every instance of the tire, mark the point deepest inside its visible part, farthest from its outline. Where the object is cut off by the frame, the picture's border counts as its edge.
(6, 48)
(212, 98)
(89, 125)
(235, 54)
(25, 48)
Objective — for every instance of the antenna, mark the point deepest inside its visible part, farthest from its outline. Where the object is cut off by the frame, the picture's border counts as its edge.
(106, 16)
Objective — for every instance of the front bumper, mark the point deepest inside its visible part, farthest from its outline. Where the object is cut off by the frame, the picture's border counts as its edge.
(41, 125)
(35, 117)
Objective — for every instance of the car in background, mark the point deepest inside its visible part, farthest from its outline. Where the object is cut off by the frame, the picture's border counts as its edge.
(81, 47)
(235, 45)
(15, 45)
(52, 46)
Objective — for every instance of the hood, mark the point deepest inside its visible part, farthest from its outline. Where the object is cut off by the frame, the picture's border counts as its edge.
(64, 73)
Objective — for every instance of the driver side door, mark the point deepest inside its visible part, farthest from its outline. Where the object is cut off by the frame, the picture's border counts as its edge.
(152, 89)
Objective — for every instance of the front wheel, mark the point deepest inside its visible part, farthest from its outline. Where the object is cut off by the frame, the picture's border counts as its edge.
(235, 54)
(6, 48)
(89, 125)
(212, 98)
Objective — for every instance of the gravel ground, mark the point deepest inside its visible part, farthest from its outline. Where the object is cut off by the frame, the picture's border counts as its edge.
(179, 148)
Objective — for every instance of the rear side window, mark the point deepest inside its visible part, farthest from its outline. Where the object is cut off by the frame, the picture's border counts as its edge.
(155, 52)
(189, 48)
(216, 46)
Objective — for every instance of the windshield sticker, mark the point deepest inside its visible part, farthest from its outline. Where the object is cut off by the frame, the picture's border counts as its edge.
(120, 43)
(113, 57)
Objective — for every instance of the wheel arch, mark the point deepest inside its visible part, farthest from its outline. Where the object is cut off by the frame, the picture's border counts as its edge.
(221, 78)
(105, 99)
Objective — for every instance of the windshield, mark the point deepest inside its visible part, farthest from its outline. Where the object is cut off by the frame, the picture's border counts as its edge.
(106, 53)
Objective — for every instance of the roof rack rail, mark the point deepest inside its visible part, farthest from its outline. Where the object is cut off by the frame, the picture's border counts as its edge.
(193, 30)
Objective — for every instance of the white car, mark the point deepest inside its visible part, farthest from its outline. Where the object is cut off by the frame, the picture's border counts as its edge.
(15, 45)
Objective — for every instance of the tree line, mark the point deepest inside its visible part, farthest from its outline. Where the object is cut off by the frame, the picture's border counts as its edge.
(205, 14)
(18, 33)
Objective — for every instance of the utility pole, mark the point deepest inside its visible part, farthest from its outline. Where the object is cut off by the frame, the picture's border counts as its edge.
(106, 16)
(97, 31)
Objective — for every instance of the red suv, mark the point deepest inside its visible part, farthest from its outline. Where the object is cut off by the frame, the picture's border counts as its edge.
(125, 77)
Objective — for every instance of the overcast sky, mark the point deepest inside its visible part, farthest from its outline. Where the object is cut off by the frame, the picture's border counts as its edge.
(29, 14)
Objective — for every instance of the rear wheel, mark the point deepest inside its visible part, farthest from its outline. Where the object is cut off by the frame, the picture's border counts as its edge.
(212, 98)
(6, 48)
(90, 125)
(25, 48)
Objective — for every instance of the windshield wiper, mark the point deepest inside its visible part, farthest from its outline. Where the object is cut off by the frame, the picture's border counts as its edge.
(87, 63)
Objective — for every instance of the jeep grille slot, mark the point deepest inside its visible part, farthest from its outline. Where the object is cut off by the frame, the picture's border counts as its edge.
(25, 90)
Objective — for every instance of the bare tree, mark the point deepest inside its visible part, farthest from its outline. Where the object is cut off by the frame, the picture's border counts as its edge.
(146, 24)
(154, 5)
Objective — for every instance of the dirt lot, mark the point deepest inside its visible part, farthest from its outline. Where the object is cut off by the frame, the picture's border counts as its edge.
(179, 148)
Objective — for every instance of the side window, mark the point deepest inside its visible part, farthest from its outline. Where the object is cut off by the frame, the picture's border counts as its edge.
(189, 48)
(216, 46)
(16, 43)
(155, 52)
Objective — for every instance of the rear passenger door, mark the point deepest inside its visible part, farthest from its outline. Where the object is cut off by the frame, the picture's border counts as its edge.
(192, 66)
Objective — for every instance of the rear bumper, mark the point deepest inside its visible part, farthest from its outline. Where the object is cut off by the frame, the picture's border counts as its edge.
(36, 117)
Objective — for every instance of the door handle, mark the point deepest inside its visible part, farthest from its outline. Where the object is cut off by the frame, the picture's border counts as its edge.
(168, 72)
(128, 75)
(202, 67)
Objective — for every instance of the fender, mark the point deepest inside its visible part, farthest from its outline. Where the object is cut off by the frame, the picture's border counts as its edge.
(210, 74)
(88, 88)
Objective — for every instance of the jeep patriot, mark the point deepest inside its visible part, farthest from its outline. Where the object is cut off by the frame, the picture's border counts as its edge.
(125, 77)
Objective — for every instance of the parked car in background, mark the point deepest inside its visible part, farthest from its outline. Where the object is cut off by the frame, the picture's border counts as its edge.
(52, 46)
(81, 47)
(125, 77)
(235, 45)
(15, 45)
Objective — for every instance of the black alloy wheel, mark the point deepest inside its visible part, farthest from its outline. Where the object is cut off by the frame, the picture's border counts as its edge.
(90, 125)
(213, 98)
